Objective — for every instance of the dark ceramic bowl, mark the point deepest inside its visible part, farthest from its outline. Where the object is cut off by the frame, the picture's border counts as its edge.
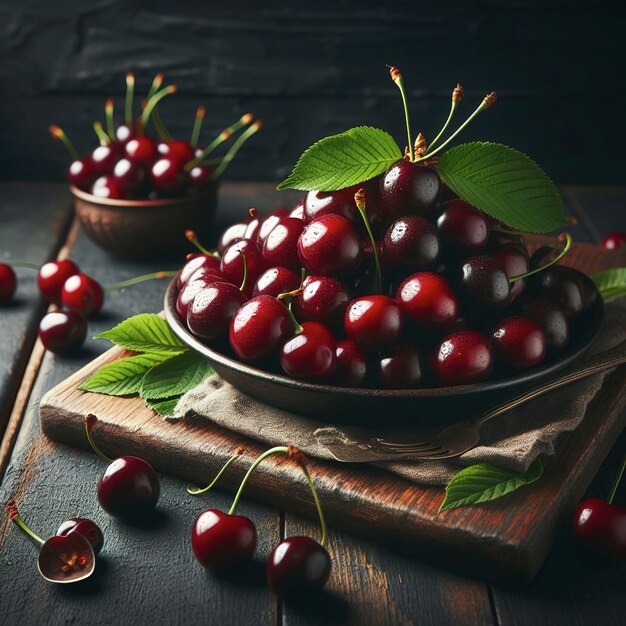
(143, 229)
(407, 407)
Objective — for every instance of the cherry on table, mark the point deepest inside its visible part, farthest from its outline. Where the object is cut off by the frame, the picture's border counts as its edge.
(276, 280)
(52, 276)
(212, 308)
(462, 228)
(463, 357)
(83, 294)
(88, 529)
(323, 299)
(8, 283)
(62, 331)
(400, 367)
(485, 281)
(351, 368)
(310, 353)
(373, 322)
(281, 245)
(614, 240)
(552, 321)
(411, 241)
(600, 528)
(519, 342)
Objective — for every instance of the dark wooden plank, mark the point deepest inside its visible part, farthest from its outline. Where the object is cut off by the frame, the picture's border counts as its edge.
(146, 574)
(34, 218)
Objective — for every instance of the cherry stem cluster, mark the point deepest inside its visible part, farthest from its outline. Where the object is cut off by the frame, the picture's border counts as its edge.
(567, 238)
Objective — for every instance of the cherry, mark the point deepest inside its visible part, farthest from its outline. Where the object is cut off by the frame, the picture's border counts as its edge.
(463, 357)
(351, 370)
(142, 149)
(200, 175)
(206, 262)
(82, 173)
(400, 368)
(108, 187)
(571, 290)
(552, 321)
(297, 211)
(600, 527)
(408, 188)
(329, 245)
(104, 158)
(614, 240)
(83, 294)
(428, 300)
(8, 283)
(52, 276)
(125, 133)
(276, 280)
(462, 228)
(310, 353)
(221, 541)
(411, 241)
(232, 263)
(86, 528)
(62, 331)
(200, 280)
(259, 327)
(231, 235)
(514, 260)
(519, 342)
(281, 245)
(323, 299)
(267, 225)
(212, 308)
(129, 486)
(297, 564)
(130, 174)
(176, 150)
(373, 321)
(167, 175)
(318, 203)
(485, 281)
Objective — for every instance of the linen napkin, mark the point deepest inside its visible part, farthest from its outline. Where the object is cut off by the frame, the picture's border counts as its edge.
(513, 440)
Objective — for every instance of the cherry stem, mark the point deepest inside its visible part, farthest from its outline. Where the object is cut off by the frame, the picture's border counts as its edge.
(153, 101)
(296, 325)
(616, 482)
(193, 238)
(162, 131)
(108, 115)
(445, 126)
(102, 136)
(245, 271)
(18, 521)
(140, 279)
(197, 126)
(58, 133)
(289, 451)
(130, 93)
(486, 103)
(90, 420)
(397, 79)
(30, 266)
(359, 199)
(157, 81)
(196, 491)
(230, 155)
(568, 244)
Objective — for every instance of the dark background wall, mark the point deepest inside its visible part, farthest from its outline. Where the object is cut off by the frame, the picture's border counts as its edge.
(309, 69)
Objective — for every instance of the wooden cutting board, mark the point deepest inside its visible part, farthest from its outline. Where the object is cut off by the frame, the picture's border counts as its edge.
(508, 538)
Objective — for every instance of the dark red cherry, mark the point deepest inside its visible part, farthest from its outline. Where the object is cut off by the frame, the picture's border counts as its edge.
(200, 175)
(552, 321)
(351, 369)
(408, 188)
(52, 276)
(281, 245)
(463, 357)
(310, 354)
(259, 327)
(400, 367)
(168, 175)
(200, 280)
(571, 290)
(212, 308)
(142, 149)
(108, 187)
(231, 235)
(428, 300)
(297, 211)
(518, 342)
(318, 203)
(514, 260)
(130, 174)
(485, 281)
(220, 541)
(298, 564)
(232, 264)
(373, 322)
(129, 487)
(614, 240)
(462, 228)
(276, 280)
(201, 261)
(600, 528)
(267, 225)
(104, 158)
(82, 173)
(323, 299)
(83, 294)
(176, 150)
(8, 283)
(411, 241)
(62, 331)
(124, 133)
(86, 528)
(330, 246)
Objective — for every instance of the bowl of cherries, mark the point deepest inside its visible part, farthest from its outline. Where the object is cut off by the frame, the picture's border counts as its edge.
(398, 297)
(134, 182)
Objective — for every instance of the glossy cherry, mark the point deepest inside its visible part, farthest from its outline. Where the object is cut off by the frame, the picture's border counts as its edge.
(176, 150)
(221, 541)
(600, 528)
(200, 175)
(104, 158)
(266, 225)
(212, 308)
(373, 322)
(514, 261)
(614, 240)
(323, 299)
(400, 367)
(485, 282)
(281, 245)
(82, 173)
(200, 280)
(108, 187)
(83, 294)
(310, 353)
(8, 283)
(428, 300)
(88, 529)
(276, 280)
(62, 331)
(260, 327)
(130, 174)
(518, 342)
(168, 175)
(206, 262)
(552, 321)
(351, 368)
(297, 211)
(462, 228)
(141, 149)
(330, 246)
(232, 263)
(411, 241)
(571, 290)
(318, 203)
(52, 276)
(298, 564)
(463, 357)
(231, 235)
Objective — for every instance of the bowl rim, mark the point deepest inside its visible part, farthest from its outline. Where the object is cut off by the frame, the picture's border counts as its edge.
(590, 334)
(140, 204)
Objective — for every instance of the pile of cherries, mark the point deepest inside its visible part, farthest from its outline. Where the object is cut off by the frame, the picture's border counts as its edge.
(406, 286)
(129, 164)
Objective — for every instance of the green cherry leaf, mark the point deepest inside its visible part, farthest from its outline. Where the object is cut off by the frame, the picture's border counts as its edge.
(485, 482)
(505, 184)
(165, 408)
(611, 283)
(343, 160)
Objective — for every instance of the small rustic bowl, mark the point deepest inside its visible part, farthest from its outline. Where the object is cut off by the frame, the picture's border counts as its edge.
(141, 229)
(403, 407)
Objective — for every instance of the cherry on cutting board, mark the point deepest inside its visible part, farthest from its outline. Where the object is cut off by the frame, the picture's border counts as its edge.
(8, 283)
(614, 240)
(62, 331)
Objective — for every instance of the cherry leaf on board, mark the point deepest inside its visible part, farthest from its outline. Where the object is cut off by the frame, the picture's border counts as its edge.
(611, 283)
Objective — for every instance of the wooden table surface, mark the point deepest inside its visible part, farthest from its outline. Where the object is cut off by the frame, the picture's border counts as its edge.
(147, 574)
